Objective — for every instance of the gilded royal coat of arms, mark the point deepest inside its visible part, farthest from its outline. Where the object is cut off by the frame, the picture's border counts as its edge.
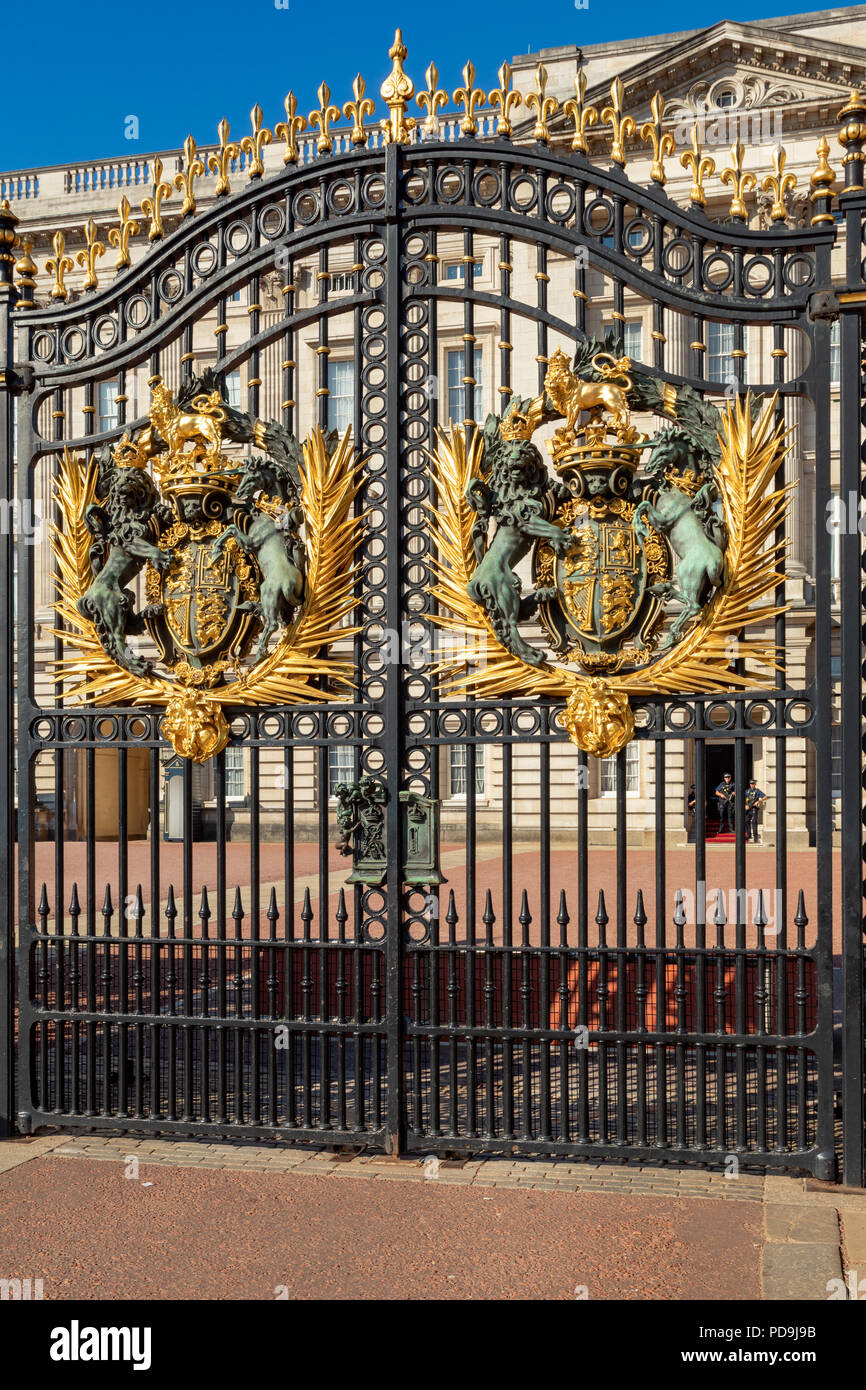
(246, 559)
(646, 557)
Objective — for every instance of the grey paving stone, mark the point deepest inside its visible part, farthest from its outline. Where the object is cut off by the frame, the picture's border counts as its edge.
(803, 1225)
(795, 1273)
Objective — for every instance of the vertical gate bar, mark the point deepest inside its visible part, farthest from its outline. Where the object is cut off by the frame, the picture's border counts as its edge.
(156, 971)
(221, 948)
(781, 788)
(394, 701)
(186, 951)
(660, 931)
(471, 1044)
(321, 952)
(544, 957)
(852, 866)
(289, 936)
(7, 708)
(583, 945)
(254, 1035)
(621, 953)
(700, 829)
(853, 1073)
(122, 920)
(507, 944)
(90, 931)
(469, 350)
(740, 938)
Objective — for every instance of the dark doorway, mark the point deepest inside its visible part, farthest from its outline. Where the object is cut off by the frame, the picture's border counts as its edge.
(720, 759)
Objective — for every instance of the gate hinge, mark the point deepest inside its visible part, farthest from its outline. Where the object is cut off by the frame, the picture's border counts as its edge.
(823, 304)
(18, 380)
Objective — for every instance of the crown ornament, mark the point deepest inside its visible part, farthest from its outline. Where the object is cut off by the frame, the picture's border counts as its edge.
(184, 443)
(594, 410)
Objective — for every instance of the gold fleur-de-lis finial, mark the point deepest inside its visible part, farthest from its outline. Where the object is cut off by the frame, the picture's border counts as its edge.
(152, 205)
(322, 118)
(779, 184)
(184, 181)
(821, 183)
(431, 101)
(469, 97)
(58, 264)
(700, 166)
(26, 270)
(397, 91)
(740, 181)
(580, 114)
(290, 129)
(505, 99)
(543, 105)
(93, 249)
(621, 126)
(255, 143)
(220, 161)
(358, 110)
(118, 237)
(662, 141)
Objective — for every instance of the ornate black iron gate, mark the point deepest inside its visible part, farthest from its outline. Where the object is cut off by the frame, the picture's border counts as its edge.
(549, 995)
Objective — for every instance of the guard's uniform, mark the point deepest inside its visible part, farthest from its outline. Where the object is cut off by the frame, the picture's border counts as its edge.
(754, 797)
(725, 792)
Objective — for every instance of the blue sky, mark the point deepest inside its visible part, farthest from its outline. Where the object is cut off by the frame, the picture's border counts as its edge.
(72, 75)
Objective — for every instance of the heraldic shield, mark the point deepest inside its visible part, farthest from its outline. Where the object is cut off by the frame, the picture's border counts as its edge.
(648, 556)
(244, 540)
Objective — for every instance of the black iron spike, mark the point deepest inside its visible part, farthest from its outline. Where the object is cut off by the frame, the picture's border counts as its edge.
(43, 909)
(679, 910)
(761, 918)
(74, 904)
(238, 908)
(800, 918)
(719, 917)
(451, 916)
(601, 916)
(107, 904)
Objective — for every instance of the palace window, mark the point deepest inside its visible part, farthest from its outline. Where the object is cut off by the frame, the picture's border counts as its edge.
(721, 364)
(341, 401)
(835, 352)
(632, 771)
(109, 414)
(631, 333)
(458, 769)
(342, 282)
(341, 765)
(234, 773)
(456, 270)
(455, 363)
(233, 389)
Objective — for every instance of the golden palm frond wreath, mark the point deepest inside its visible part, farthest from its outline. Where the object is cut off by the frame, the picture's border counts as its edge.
(751, 453)
(286, 675)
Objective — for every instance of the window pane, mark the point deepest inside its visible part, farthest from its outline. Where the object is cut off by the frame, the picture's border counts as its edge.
(235, 772)
(341, 402)
(341, 765)
(233, 388)
(835, 355)
(721, 366)
(632, 771)
(458, 763)
(455, 371)
(109, 414)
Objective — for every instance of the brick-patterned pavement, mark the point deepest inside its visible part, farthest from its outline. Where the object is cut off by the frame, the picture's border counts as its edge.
(200, 1220)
